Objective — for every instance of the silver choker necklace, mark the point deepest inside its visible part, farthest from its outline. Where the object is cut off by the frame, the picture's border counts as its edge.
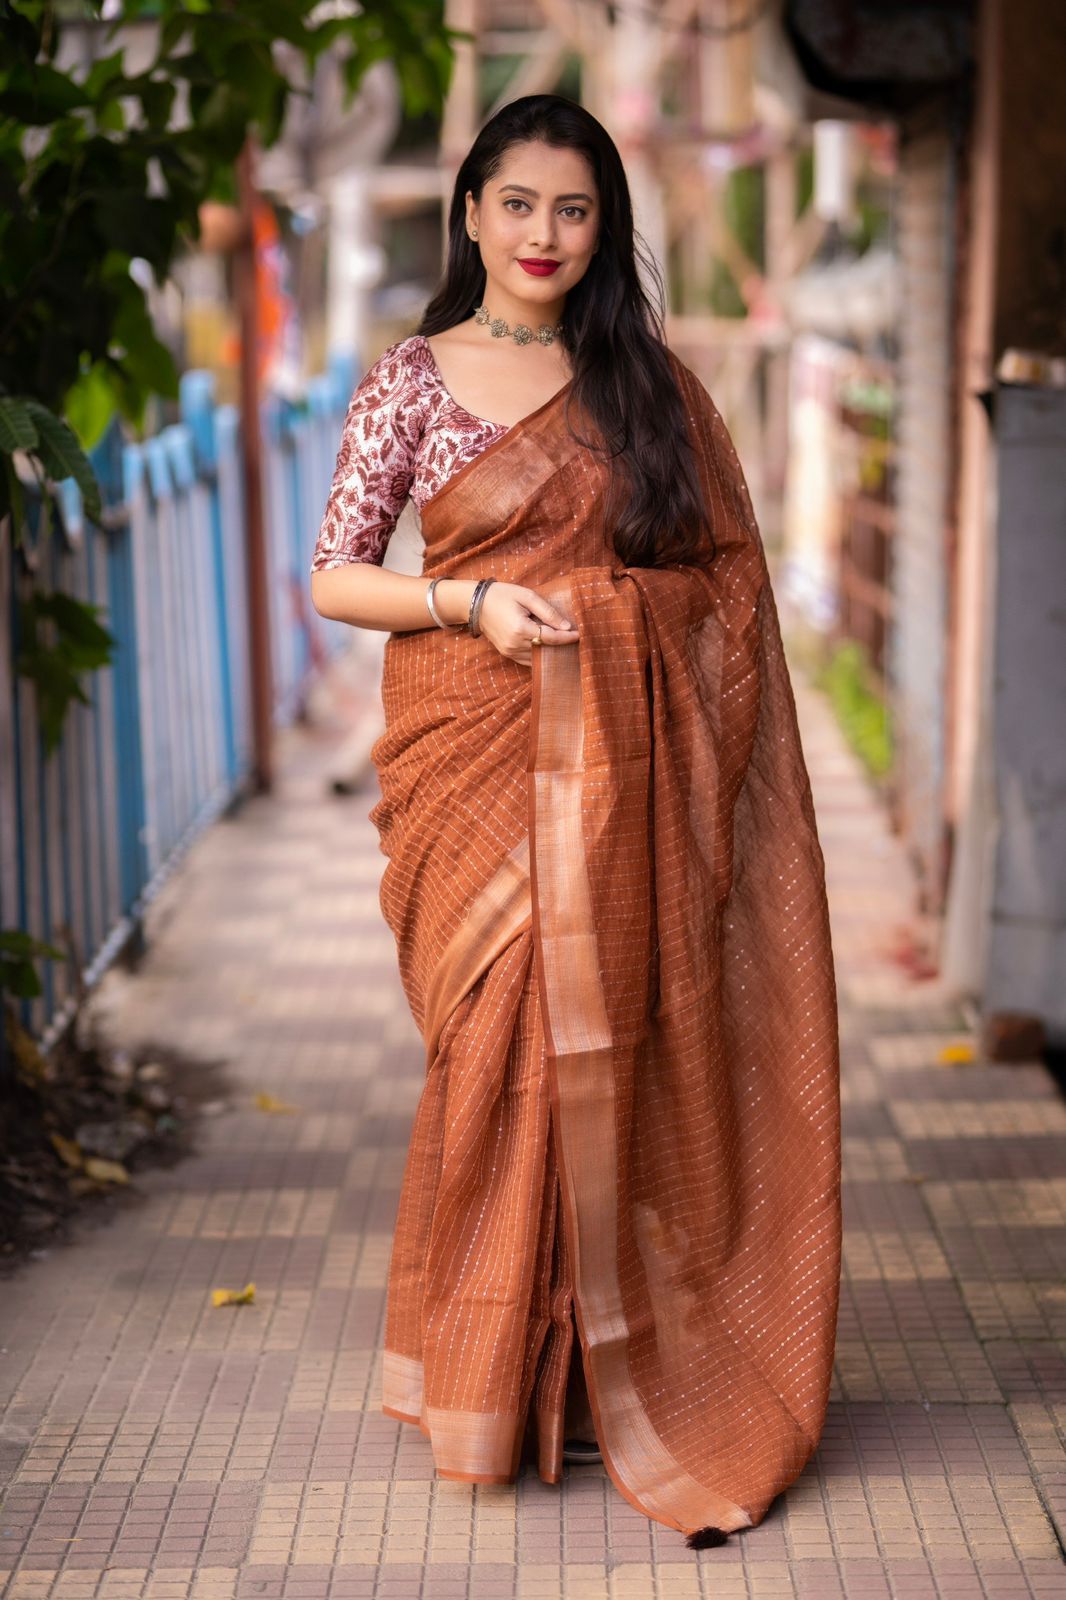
(521, 334)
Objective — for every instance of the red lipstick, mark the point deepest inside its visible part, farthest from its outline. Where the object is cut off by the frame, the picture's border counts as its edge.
(539, 268)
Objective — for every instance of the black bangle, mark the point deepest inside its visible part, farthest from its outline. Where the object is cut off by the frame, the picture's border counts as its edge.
(476, 602)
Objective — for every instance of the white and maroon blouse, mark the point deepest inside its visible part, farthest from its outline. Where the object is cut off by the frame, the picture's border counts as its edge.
(403, 437)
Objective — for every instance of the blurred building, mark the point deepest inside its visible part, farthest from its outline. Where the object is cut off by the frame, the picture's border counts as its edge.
(961, 597)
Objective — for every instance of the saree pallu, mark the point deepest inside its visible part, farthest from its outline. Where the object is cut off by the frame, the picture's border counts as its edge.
(606, 888)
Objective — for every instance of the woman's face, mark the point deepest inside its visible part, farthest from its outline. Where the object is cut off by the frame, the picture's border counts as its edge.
(541, 205)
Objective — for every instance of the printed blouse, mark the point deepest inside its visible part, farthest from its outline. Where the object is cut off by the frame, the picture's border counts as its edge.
(403, 437)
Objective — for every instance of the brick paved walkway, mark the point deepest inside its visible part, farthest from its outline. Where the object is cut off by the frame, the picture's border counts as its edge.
(154, 1445)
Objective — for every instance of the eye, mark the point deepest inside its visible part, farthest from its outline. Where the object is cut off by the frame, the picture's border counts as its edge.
(576, 213)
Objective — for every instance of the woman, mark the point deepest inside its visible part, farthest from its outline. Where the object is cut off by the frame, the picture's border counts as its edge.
(603, 873)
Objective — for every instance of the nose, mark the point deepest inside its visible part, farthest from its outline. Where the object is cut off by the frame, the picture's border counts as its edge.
(541, 232)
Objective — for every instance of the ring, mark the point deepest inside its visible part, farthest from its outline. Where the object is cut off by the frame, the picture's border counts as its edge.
(537, 640)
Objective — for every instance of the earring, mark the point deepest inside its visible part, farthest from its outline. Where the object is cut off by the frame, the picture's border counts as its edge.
(474, 234)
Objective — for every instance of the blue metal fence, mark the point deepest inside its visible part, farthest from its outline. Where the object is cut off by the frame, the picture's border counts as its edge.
(88, 833)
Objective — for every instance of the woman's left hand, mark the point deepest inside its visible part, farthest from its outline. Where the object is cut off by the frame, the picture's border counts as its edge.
(513, 615)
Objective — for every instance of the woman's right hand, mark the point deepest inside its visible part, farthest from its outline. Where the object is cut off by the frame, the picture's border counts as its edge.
(510, 614)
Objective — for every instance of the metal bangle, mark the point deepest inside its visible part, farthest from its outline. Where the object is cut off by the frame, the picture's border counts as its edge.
(475, 608)
(449, 627)
(476, 601)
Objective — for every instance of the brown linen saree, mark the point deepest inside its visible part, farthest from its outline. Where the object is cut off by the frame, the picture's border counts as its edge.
(607, 892)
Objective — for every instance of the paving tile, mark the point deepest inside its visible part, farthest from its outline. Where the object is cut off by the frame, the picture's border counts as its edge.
(154, 1446)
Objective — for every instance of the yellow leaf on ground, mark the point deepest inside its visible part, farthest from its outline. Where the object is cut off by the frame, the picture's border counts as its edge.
(106, 1171)
(952, 1055)
(264, 1101)
(68, 1149)
(234, 1297)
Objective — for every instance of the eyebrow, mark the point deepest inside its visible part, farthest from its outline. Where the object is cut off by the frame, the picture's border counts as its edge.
(523, 190)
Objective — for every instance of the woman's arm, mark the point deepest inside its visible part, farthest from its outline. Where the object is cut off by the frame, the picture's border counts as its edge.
(371, 481)
(369, 596)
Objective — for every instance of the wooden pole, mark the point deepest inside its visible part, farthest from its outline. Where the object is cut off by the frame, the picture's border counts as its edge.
(261, 671)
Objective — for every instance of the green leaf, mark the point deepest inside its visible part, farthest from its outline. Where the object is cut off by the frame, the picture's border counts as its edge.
(272, 116)
(17, 942)
(283, 20)
(89, 404)
(143, 356)
(19, 978)
(55, 687)
(21, 34)
(221, 115)
(110, 117)
(18, 952)
(17, 431)
(172, 32)
(146, 228)
(158, 101)
(86, 643)
(36, 94)
(62, 456)
(103, 73)
(130, 398)
(77, 644)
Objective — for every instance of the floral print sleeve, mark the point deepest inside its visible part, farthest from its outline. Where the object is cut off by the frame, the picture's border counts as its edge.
(375, 464)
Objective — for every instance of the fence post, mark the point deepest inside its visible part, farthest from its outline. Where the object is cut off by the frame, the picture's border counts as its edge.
(251, 447)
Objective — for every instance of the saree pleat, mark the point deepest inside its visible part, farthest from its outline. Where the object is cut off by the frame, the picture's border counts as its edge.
(605, 883)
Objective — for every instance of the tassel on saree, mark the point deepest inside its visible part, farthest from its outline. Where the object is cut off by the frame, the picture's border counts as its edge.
(706, 1538)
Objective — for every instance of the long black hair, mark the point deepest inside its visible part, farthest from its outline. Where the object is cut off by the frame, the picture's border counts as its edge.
(613, 333)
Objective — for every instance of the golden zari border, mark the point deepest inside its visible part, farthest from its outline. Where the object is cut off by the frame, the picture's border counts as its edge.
(580, 1052)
